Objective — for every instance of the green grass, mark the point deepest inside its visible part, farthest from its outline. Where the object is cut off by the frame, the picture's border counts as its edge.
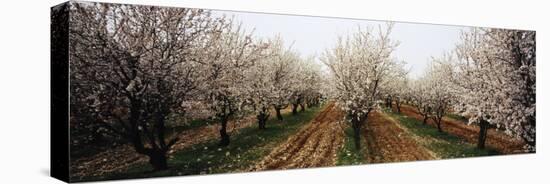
(443, 144)
(247, 147)
(190, 125)
(348, 154)
(457, 117)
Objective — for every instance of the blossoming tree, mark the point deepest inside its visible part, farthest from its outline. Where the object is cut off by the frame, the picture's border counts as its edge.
(360, 65)
(132, 67)
(496, 81)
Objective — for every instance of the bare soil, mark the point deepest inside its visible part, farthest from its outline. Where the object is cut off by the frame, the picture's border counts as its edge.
(315, 145)
(495, 139)
(388, 142)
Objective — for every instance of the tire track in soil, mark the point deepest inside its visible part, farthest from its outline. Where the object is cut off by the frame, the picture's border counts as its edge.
(497, 140)
(314, 145)
(388, 142)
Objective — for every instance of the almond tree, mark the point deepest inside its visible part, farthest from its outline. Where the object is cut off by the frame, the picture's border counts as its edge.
(496, 81)
(400, 92)
(262, 93)
(132, 67)
(305, 83)
(310, 79)
(283, 76)
(421, 98)
(359, 65)
(397, 88)
(278, 78)
(439, 93)
(231, 52)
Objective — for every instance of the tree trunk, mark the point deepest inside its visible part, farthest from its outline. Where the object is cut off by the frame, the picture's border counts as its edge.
(278, 112)
(311, 102)
(262, 119)
(224, 141)
(294, 109)
(261, 124)
(356, 125)
(483, 126)
(302, 107)
(438, 121)
(315, 102)
(398, 105)
(157, 159)
(425, 121)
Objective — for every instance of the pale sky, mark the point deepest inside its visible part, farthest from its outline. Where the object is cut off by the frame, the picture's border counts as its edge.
(313, 35)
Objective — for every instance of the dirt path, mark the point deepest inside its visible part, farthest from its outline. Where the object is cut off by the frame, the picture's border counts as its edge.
(315, 145)
(122, 157)
(496, 140)
(388, 142)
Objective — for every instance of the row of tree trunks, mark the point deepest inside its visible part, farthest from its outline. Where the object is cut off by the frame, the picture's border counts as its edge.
(313, 102)
(389, 101)
(483, 127)
(264, 115)
(294, 108)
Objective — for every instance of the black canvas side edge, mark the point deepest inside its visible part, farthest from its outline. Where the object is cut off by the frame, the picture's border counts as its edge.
(59, 92)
